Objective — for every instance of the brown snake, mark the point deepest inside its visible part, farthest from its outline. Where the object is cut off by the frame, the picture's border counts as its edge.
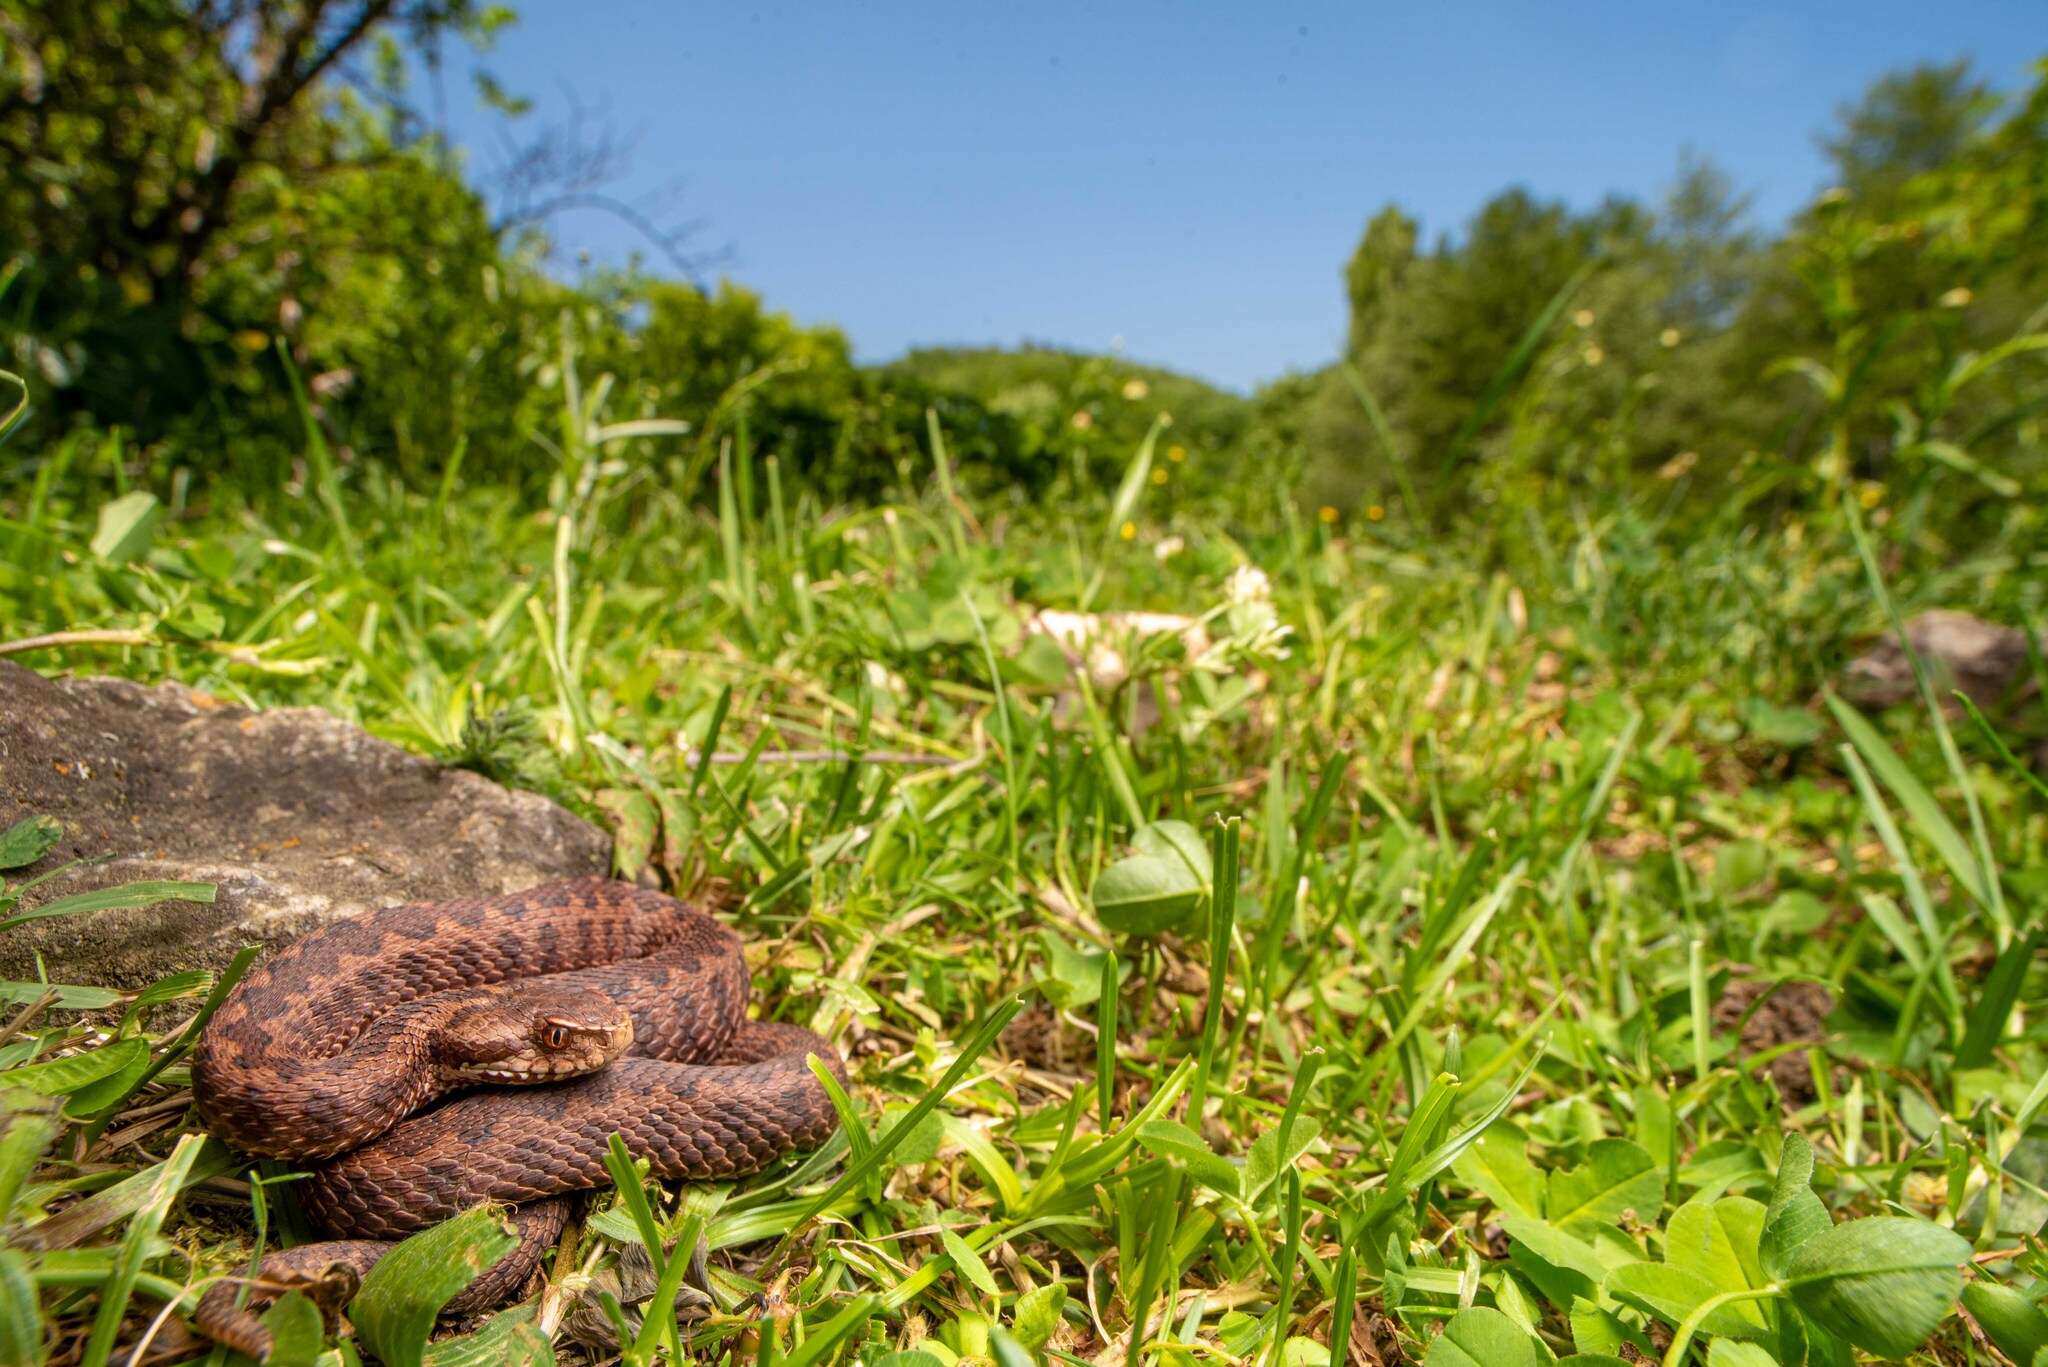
(323, 1051)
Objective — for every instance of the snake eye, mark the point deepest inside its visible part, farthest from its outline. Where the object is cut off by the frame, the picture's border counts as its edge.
(556, 1036)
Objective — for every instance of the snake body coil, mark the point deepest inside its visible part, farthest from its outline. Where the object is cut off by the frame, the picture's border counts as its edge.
(323, 1051)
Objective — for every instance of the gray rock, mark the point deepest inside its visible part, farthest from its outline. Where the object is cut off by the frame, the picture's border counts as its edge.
(299, 817)
(1960, 651)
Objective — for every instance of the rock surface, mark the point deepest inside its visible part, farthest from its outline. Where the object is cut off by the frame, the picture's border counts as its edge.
(299, 817)
(1960, 651)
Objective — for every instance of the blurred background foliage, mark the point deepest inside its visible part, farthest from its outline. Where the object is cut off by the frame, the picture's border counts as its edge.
(198, 199)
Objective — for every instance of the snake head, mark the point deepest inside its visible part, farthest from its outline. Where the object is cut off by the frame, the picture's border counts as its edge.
(532, 1032)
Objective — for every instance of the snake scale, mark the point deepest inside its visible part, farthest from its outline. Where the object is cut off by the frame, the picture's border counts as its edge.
(420, 1059)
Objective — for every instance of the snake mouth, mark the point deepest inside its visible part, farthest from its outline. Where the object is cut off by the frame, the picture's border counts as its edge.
(551, 1070)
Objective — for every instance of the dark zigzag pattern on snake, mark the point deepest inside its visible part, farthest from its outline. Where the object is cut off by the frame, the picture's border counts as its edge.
(295, 1052)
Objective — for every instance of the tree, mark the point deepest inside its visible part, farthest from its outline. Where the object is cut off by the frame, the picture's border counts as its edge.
(225, 90)
(136, 135)
(1908, 124)
(1703, 228)
(1376, 270)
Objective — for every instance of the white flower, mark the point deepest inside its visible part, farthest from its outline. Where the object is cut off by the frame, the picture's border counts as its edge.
(881, 677)
(1248, 584)
(1167, 548)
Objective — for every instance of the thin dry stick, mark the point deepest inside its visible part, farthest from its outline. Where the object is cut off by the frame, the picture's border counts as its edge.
(102, 636)
(831, 757)
(21, 1019)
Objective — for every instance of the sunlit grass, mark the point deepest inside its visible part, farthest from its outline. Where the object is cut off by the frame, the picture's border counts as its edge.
(1483, 841)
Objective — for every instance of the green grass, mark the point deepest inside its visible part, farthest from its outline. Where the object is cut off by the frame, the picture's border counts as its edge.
(1438, 1031)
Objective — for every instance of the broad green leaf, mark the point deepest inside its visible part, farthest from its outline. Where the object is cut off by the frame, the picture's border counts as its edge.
(1037, 1314)
(1795, 1214)
(1144, 894)
(196, 622)
(1883, 1283)
(1484, 1337)
(921, 1143)
(296, 1332)
(1718, 1244)
(1006, 1351)
(1793, 912)
(635, 822)
(1175, 1142)
(28, 840)
(27, 1129)
(403, 1294)
(1238, 1333)
(1786, 727)
(2012, 1321)
(1264, 1163)
(1672, 1294)
(1176, 840)
(1554, 1246)
(1560, 1286)
(1618, 1178)
(125, 526)
(1072, 977)
(908, 1358)
(1598, 1333)
(968, 1263)
(1740, 865)
(1730, 1353)
(1303, 1352)
(1498, 1164)
(512, 1338)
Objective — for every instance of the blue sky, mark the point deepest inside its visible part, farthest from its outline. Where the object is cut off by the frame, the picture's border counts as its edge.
(1182, 181)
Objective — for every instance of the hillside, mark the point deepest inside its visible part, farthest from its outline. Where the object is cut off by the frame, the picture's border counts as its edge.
(1045, 387)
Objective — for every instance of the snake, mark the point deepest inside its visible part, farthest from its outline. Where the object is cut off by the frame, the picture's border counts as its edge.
(417, 1060)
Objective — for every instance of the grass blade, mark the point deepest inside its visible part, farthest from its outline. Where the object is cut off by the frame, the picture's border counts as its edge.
(976, 1043)
(167, 1181)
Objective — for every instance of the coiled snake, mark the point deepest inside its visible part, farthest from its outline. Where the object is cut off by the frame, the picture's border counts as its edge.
(624, 1008)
